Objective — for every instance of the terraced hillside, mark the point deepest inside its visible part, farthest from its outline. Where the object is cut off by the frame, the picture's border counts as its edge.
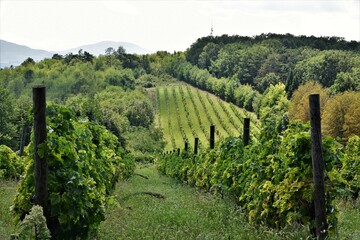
(186, 112)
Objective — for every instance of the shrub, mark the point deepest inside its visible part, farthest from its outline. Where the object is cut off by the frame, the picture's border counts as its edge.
(10, 163)
(85, 161)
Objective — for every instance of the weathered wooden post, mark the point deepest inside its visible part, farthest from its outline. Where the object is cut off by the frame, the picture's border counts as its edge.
(40, 155)
(196, 145)
(22, 141)
(178, 151)
(318, 167)
(246, 131)
(186, 146)
(212, 137)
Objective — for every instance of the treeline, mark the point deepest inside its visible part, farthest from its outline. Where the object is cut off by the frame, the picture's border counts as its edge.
(271, 58)
(287, 40)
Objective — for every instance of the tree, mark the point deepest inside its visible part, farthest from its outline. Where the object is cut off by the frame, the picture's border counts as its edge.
(273, 116)
(209, 54)
(323, 68)
(28, 61)
(7, 128)
(262, 83)
(225, 65)
(245, 96)
(57, 56)
(347, 81)
(120, 52)
(140, 112)
(28, 75)
(87, 57)
(109, 51)
(250, 61)
(299, 104)
(123, 78)
(341, 116)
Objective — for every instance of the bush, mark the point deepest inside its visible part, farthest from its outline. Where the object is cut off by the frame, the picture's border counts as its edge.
(85, 161)
(10, 164)
(350, 171)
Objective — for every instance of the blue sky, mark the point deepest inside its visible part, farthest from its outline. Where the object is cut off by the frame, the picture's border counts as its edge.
(169, 25)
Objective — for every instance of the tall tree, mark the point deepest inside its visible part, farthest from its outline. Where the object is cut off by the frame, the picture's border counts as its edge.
(7, 128)
(299, 104)
(341, 116)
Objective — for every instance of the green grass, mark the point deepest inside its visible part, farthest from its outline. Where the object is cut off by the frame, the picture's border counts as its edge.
(7, 194)
(163, 112)
(349, 219)
(168, 112)
(183, 214)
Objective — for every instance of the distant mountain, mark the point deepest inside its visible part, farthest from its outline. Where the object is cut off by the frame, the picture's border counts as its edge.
(14, 54)
(99, 48)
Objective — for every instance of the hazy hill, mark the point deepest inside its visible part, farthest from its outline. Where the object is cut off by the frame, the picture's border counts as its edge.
(14, 54)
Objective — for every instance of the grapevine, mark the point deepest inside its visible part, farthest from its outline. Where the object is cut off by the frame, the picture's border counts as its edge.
(85, 161)
(201, 124)
(183, 134)
(217, 114)
(169, 119)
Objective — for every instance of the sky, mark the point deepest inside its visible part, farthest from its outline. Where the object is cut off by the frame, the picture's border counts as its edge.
(56, 25)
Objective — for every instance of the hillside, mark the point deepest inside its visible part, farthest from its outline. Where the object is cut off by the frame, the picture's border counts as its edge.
(15, 54)
(186, 112)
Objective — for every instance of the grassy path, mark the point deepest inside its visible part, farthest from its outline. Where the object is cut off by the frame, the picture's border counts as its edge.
(182, 214)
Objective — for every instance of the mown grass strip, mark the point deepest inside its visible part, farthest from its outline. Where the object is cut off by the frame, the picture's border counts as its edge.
(183, 213)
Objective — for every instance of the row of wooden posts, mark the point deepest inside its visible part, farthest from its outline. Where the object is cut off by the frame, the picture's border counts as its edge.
(41, 164)
(246, 139)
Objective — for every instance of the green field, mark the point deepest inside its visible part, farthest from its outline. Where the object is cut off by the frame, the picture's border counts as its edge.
(186, 112)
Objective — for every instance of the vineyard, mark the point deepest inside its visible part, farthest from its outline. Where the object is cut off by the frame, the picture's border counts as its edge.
(102, 152)
(270, 178)
(186, 113)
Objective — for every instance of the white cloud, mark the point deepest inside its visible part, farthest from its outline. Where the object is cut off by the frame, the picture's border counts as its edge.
(169, 25)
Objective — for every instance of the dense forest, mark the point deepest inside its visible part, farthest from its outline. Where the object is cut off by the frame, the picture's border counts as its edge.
(104, 109)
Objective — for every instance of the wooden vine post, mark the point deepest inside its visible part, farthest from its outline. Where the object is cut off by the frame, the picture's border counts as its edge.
(318, 167)
(186, 146)
(196, 145)
(212, 137)
(40, 155)
(246, 131)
